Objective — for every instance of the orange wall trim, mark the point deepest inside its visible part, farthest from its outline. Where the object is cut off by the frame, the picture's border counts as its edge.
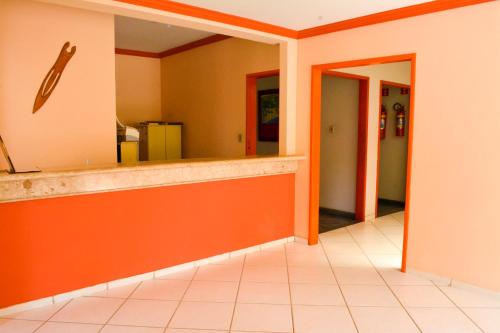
(175, 50)
(212, 15)
(63, 244)
(137, 53)
(390, 15)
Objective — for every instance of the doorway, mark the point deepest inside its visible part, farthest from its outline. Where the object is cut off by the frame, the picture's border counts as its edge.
(315, 139)
(262, 113)
(344, 111)
(392, 148)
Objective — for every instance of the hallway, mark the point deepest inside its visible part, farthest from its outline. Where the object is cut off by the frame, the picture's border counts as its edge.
(348, 283)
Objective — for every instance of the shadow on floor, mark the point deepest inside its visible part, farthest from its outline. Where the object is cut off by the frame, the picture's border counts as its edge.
(386, 207)
(331, 220)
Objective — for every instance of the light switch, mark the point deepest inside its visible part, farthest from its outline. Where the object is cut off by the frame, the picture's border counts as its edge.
(330, 129)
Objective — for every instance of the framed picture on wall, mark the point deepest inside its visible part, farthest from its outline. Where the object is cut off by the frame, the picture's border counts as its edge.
(268, 115)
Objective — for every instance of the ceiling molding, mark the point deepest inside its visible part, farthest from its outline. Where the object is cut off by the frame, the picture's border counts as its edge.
(386, 16)
(212, 15)
(390, 15)
(137, 53)
(175, 50)
(192, 45)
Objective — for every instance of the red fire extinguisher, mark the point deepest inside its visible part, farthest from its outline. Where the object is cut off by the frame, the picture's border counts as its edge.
(383, 121)
(400, 119)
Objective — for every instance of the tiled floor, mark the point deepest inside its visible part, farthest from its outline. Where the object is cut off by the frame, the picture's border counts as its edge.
(348, 283)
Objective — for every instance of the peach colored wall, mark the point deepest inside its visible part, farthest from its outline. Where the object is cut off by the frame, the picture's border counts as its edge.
(399, 72)
(138, 89)
(205, 89)
(455, 189)
(77, 123)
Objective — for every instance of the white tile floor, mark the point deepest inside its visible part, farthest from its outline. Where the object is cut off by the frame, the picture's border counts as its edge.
(348, 283)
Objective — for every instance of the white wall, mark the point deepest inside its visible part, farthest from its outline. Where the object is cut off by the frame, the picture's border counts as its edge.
(339, 108)
(393, 150)
(266, 147)
(395, 72)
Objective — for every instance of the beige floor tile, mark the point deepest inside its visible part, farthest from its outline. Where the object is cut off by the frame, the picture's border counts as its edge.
(43, 313)
(18, 326)
(358, 275)
(203, 315)
(138, 312)
(119, 292)
(421, 296)
(395, 277)
(379, 247)
(315, 274)
(336, 237)
(369, 296)
(265, 274)
(386, 260)
(218, 273)
(383, 320)
(262, 317)
(439, 320)
(212, 291)
(167, 290)
(486, 318)
(468, 298)
(316, 294)
(349, 260)
(307, 259)
(130, 329)
(88, 310)
(266, 293)
(51, 327)
(322, 319)
(186, 274)
(187, 330)
(342, 248)
(266, 258)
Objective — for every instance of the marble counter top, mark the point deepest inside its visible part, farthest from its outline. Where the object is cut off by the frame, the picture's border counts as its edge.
(56, 183)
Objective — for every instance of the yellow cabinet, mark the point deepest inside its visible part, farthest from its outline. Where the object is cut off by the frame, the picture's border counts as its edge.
(129, 151)
(160, 142)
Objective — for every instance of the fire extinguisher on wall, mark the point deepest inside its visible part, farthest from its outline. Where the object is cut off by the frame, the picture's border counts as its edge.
(383, 121)
(400, 119)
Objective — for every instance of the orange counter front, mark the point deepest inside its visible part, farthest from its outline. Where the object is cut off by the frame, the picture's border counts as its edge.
(55, 245)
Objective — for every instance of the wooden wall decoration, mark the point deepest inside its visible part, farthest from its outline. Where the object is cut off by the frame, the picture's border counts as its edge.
(52, 78)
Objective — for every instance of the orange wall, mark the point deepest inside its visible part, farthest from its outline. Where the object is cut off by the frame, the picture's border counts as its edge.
(205, 89)
(62, 244)
(138, 89)
(455, 186)
(77, 123)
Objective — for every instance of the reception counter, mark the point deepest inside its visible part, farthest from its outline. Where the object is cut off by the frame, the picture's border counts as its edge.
(63, 230)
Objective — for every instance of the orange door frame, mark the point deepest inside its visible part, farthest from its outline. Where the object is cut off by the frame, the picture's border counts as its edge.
(364, 83)
(391, 84)
(251, 109)
(314, 149)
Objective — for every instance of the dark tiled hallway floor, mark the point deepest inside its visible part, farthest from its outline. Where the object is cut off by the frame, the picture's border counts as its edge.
(328, 222)
(386, 207)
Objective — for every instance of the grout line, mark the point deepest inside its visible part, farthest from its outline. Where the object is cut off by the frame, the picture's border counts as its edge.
(237, 293)
(387, 284)
(118, 309)
(289, 289)
(182, 298)
(335, 277)
(458, 307)
(46, 321)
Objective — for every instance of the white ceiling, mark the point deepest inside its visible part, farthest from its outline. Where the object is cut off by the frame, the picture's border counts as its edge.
(139, 35)
(301, 14)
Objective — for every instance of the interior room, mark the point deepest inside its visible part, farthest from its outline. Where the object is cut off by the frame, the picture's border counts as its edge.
(180, 93)
(225, 166)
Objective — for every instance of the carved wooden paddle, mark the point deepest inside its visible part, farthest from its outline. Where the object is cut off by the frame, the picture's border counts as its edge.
(53, 76)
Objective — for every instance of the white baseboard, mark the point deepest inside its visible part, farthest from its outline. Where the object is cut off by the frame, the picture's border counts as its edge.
(447, 281)
(138, 278)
